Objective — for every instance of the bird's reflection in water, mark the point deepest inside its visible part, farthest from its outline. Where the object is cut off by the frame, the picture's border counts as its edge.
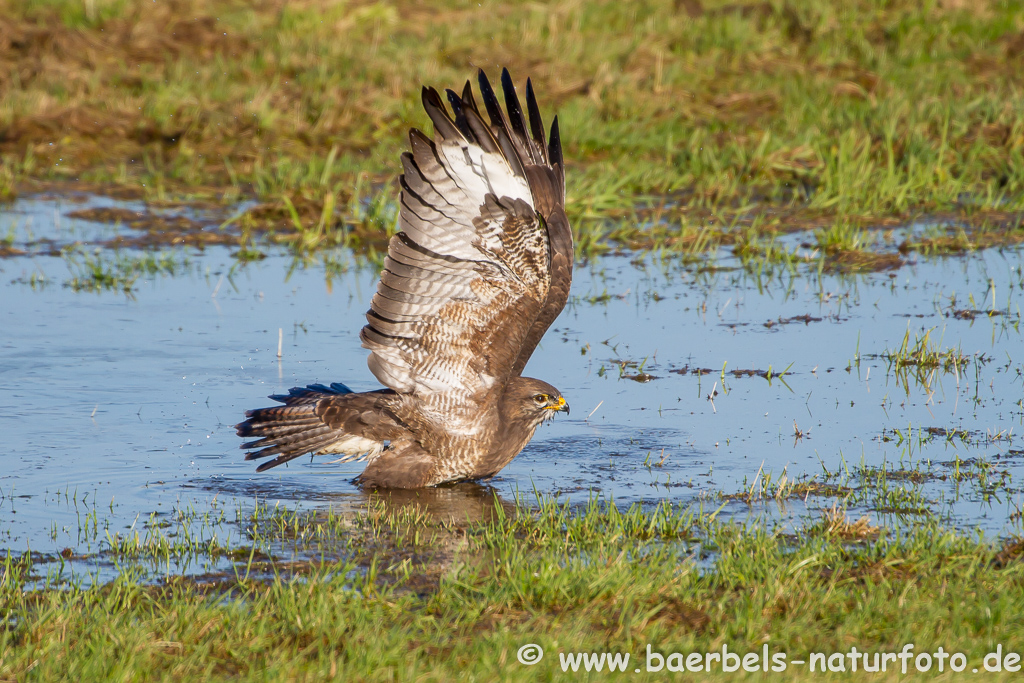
(449, 510)
(455, 504)
(460, 504)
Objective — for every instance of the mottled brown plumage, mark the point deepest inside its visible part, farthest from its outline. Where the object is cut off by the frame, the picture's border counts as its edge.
(479, 271)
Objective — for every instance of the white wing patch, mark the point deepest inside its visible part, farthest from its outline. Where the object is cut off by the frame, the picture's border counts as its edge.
(354, 448)
(479, 173)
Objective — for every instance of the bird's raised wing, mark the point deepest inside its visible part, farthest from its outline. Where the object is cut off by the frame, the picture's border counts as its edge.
(483, 261)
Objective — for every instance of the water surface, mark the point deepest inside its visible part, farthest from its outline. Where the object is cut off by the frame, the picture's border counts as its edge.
(122, 406)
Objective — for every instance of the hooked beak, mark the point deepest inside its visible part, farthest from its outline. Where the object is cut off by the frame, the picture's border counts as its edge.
(561, 407)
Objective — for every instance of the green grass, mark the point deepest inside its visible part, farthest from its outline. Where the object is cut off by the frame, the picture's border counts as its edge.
(849, 114)
(411, 597)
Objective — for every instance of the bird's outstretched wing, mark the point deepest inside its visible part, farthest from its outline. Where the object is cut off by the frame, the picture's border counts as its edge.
(483, 261)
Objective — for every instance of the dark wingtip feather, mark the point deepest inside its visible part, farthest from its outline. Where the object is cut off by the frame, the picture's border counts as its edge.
(467, 96)
(454, 100)
(536, 122)
(431, 99)
(460, 115)
(439, 116)
(481, 132)
(505, 139)
(490, 100)
(555, 146)
(515, 110)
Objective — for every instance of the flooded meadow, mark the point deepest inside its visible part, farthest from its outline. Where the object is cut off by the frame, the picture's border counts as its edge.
(769, 389)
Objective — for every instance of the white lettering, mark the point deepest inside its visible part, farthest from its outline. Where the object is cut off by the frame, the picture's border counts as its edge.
(837, 662)
(730, 660)
(653, 656)
(997, 656)
(905, 655)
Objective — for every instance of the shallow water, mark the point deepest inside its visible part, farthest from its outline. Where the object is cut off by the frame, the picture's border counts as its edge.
(120, 406)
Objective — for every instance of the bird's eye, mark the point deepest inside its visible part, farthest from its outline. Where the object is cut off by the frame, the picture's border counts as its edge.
(541, 399)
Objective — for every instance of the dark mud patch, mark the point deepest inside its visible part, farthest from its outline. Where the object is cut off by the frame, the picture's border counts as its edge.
(1010, 554)
(792, 490)
(156, 229)
(157, 238)
(972, 313)
(301, 224)
(860, 261)
(835, 523)
(929, 433)
(308, 221)
(109, 214)
(310, 224)
(806, 319)
(764, 374)
(993, 229)
(1012, 454)
(913, 476)
(687, 370)
(641, 377)
(741, 373)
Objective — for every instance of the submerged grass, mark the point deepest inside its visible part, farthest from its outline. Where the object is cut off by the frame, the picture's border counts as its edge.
(591, 579)
(853, 113)
(920, 361)
(98, 270)
(904, 492)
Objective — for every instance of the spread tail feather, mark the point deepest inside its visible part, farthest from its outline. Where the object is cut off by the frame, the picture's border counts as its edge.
(299, 427)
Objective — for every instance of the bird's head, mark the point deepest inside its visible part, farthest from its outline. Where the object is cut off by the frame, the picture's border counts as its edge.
(535, 400)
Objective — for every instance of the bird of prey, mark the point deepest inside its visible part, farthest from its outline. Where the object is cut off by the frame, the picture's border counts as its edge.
(478, 272)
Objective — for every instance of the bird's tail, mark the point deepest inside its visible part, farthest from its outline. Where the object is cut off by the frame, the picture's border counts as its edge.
(294, 429)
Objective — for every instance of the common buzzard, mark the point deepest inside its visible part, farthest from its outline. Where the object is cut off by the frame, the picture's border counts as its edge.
(477, 274)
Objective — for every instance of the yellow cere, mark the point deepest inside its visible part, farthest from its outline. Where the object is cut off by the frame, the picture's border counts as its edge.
(557, 406)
